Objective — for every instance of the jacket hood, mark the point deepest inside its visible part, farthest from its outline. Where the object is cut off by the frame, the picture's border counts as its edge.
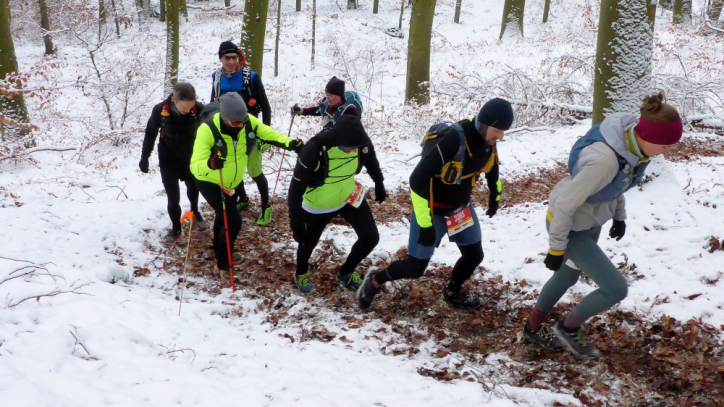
(613, 129)
(347, 131)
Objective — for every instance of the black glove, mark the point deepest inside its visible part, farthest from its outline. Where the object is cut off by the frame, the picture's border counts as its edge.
(299, 230)
(496, 189)
(216, 162)
(553, 261)
(296, 145)
(618, 229)
(143, 165)
(427, 236)
(296, 109)
(380, 193)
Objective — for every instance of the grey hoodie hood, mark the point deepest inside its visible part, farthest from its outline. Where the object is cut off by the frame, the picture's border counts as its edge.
(613, 129)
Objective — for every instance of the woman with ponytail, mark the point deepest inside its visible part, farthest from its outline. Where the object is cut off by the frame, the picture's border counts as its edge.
(609, 160)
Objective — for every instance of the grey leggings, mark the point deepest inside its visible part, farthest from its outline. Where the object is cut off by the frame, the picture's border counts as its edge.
(584, 252)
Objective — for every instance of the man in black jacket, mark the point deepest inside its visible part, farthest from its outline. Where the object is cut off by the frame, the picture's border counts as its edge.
(177, 119)
(235, 76)
(453, 157)
(323, 186)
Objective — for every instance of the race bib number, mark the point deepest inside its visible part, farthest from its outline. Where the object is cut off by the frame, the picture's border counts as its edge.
(357, 196)
(459, 221)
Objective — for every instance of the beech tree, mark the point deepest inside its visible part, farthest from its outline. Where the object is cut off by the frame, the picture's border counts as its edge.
(622, 74)
(682, 11)
(513, 12)
(45, 26)
(458, 5)
(418, 51)
(254, 32)
(13, 112)
(173, 29)
(715, 9)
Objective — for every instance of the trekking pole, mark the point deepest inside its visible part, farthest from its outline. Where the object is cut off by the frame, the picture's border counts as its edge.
(226, 229)
(282, 160)
(190, 216)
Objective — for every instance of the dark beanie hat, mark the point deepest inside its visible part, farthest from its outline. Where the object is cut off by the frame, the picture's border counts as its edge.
(335, 86)
(496, 113)
(227, 47)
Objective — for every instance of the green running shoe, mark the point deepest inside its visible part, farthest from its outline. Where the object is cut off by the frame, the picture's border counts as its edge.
(305, 284)
(264, 217)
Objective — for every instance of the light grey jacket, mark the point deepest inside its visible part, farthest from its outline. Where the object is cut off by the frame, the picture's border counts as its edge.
(567, 209)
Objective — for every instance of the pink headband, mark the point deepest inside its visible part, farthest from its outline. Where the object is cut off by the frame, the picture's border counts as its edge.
(663, 134)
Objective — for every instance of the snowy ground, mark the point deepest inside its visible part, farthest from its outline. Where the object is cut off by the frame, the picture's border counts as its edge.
(81, 330)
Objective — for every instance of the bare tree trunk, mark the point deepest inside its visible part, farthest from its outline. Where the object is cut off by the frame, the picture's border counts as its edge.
(173, 28)
(623, 61)
(13, 112)
(227, 3)
(276, 41)
(299, 6)
(162, 12)
(314, 28)
(375, 6)
(417, 87)
(513, 12)
(682, 12)
(351, 4)
(715, 9)
(115, 19)
(402, 11)
(546, 10)
(252, 42)
(45, 25)
(458, 5)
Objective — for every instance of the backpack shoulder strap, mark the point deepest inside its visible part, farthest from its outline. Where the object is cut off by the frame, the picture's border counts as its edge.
(219, 143)
(251, 138)
(217, 84)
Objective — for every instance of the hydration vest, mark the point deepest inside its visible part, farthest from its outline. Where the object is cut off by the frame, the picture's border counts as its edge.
(239, 84)
(452, 171)
(627, 177)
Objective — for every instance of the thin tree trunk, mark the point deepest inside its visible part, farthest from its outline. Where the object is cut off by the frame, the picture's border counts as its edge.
(101, 18)
(513, 12)
(252, 41)
(276, 41)
(299, 6)
(375, 6)
(458, 5)
(402, 11)
(13, 112)
(162, 13)
(45, 25)
(173, 28)
(314, 28)
(417, 87)
(351, 4)
(115, 18)
(227, 3)
(547, 9)
(682, 12)
(623, 61)
(715, 10)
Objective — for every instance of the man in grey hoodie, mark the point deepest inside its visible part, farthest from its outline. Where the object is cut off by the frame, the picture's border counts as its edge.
(609, 160)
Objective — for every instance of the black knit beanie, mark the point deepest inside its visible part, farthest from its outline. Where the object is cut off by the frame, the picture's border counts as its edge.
(335, 86)
(496, 113)
(227, 47)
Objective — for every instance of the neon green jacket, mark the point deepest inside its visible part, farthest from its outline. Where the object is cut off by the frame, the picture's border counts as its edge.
(339, 183)
(236, 158)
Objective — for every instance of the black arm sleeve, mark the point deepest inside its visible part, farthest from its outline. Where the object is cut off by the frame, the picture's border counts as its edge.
(261, 99)
(372, 164)
(432, 162)
(313, 111)
(152, 128)
(303, 170)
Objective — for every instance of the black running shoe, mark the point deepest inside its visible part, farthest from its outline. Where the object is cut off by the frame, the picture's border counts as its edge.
(172, 237)
(543, 337)
(577, 341)
(367, 291)
(350, 281)
(461, 300)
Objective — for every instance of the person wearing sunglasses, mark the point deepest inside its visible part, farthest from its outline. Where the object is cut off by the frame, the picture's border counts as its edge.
(324, 187)
(176, 120)
(221, 151)
(235, 76)
(454, 156)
